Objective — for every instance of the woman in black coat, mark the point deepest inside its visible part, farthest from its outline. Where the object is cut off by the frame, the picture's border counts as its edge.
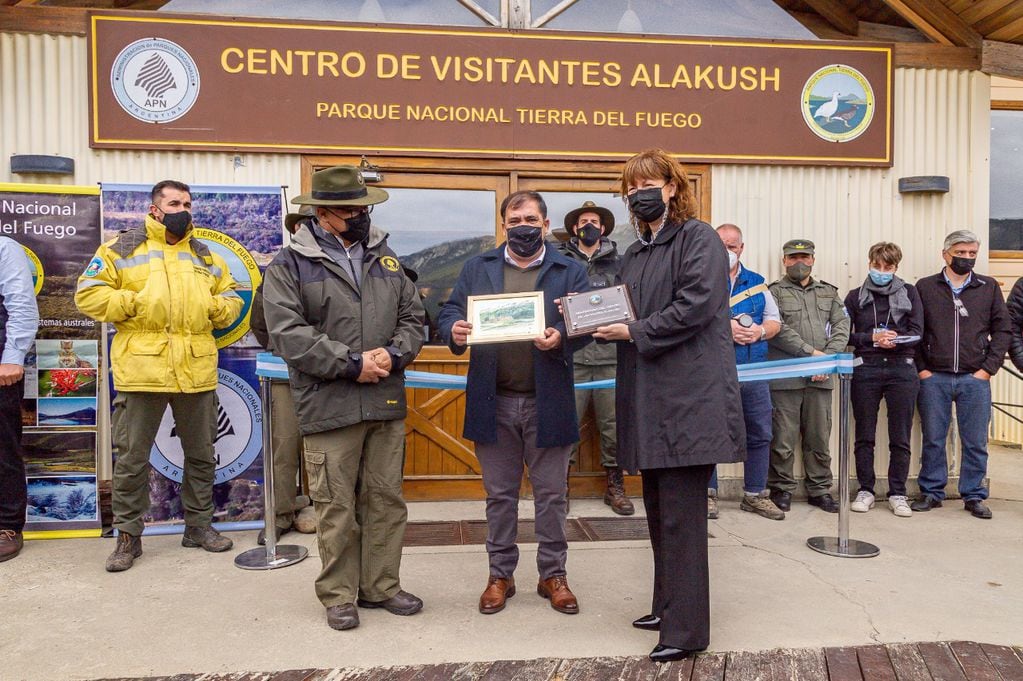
(678, 406)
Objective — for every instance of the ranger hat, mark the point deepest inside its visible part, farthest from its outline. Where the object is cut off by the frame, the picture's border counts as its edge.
(796, 246)
(291, 220)
(607, 218)
(340, 186)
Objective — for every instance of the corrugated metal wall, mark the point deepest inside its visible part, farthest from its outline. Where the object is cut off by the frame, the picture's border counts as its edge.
(941, 128)
(941, 121)
(44, 109)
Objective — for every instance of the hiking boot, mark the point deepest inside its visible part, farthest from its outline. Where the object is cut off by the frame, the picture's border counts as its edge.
(129, 547)
(712, 504)
(11, 543)
(207, 538)
(762, 506)
(863, 502)
(900, 506)
(343, 617)
(615, 494)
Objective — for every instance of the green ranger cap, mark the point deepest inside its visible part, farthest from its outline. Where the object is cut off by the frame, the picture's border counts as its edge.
(797, 246)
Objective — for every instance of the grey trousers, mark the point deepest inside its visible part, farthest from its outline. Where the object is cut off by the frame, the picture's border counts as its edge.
(502, 463)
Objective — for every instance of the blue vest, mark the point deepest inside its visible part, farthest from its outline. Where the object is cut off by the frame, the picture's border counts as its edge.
(753, 306)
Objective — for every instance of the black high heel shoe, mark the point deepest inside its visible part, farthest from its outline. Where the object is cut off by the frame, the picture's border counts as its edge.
(662, 653)
(648, 622)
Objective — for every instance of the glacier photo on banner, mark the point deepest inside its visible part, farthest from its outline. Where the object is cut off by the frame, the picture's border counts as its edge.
(242, 225)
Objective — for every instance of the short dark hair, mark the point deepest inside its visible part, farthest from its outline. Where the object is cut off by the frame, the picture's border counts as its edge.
(173, 184)
(516, 199)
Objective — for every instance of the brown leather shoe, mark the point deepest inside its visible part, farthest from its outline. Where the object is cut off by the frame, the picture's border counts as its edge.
(11, 543)
(561, 597)
(615, 494)
(499, 590)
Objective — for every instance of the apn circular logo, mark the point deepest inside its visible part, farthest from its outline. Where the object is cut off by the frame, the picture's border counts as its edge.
(389, 263)
(245, 273)
(155, 80)
(838, 103)
(238, 441)
(37, 269)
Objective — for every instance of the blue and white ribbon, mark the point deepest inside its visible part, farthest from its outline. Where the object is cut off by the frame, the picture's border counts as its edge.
(270, 366)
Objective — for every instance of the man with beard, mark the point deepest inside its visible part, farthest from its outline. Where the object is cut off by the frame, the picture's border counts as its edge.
(590, 225)
(520, 400)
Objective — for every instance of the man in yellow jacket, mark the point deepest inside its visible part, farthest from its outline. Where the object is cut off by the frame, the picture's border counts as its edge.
(165, 292)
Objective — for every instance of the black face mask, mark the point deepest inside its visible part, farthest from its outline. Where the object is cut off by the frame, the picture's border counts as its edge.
(588, 234)
(357, 228)
(797, 272)
(524, 241)
(962, 266)
(177, 223)
(647, 204)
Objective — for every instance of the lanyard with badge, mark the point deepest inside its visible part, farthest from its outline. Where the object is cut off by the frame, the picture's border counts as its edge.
(879, 328)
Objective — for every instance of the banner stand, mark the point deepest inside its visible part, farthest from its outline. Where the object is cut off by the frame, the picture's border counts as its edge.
(841, 546)
(273, 556)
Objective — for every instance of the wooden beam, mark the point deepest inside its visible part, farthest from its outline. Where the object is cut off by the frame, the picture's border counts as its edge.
(1002, 59)
(937, 22)
(41, 19)
(837, 15)
(931, 56)
(1010, 32)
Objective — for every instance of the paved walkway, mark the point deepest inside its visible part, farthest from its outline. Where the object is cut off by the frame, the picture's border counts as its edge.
(941, 576)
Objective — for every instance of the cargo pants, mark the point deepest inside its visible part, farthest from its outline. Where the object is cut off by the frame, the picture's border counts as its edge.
(286, 445)
(804, 413)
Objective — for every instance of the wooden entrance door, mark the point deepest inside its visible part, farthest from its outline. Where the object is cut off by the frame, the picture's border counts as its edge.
(440, 213)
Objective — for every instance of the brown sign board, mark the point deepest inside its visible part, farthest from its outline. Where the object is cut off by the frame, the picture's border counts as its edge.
(194, 83)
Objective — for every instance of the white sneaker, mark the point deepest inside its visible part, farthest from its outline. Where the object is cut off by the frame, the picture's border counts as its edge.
(900, 506)
(863, 503)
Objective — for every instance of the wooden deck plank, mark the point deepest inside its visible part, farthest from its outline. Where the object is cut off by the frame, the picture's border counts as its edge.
(807, 664)
(472, 672)
(843, 664)
(675, 671)
(1005, 661)
(941, 662)
(709, 667)
(748, 665)
(875, 663)
(642, 669)
(590, 668)
(974, 662)
(522, 670)
(440, 672)
(907, 662)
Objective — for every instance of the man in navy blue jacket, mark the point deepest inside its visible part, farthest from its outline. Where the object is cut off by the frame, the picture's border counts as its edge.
(520, 399)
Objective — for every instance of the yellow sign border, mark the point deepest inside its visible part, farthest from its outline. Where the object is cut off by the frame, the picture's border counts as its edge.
(95, 18)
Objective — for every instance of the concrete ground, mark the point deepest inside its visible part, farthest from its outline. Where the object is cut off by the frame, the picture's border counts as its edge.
(943, 575)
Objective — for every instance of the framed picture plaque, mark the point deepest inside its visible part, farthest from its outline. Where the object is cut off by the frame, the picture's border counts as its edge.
(506, 317)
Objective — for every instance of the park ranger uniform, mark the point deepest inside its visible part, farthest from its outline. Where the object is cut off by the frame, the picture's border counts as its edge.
(812, 319)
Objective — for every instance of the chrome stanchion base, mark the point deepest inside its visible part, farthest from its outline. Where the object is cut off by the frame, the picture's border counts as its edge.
(256, 559)
(854, 548)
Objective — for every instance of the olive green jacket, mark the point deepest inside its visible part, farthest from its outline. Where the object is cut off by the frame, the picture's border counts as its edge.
(813, 318)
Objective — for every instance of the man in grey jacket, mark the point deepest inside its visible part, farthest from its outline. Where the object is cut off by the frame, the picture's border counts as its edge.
(347, 320)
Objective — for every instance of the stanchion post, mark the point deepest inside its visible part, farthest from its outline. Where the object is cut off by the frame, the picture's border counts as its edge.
(842, 546)
(273, 556)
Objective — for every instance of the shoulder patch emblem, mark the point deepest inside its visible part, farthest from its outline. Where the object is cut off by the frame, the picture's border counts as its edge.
(390, 263)
(94, 267)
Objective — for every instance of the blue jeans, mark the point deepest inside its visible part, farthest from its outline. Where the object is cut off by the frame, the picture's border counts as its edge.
(972, 398)
(756, 410)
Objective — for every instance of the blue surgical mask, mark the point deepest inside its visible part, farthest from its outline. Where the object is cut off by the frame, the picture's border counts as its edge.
(881, 278)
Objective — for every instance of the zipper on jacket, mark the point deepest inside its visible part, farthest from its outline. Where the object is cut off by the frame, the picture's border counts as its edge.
(955, 349)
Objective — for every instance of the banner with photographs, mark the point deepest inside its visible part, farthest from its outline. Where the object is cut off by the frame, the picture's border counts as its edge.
(242, 225)
(59, 228)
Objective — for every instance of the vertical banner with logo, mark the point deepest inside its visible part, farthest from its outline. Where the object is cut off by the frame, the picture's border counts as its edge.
(59, 228)
(242, 225)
